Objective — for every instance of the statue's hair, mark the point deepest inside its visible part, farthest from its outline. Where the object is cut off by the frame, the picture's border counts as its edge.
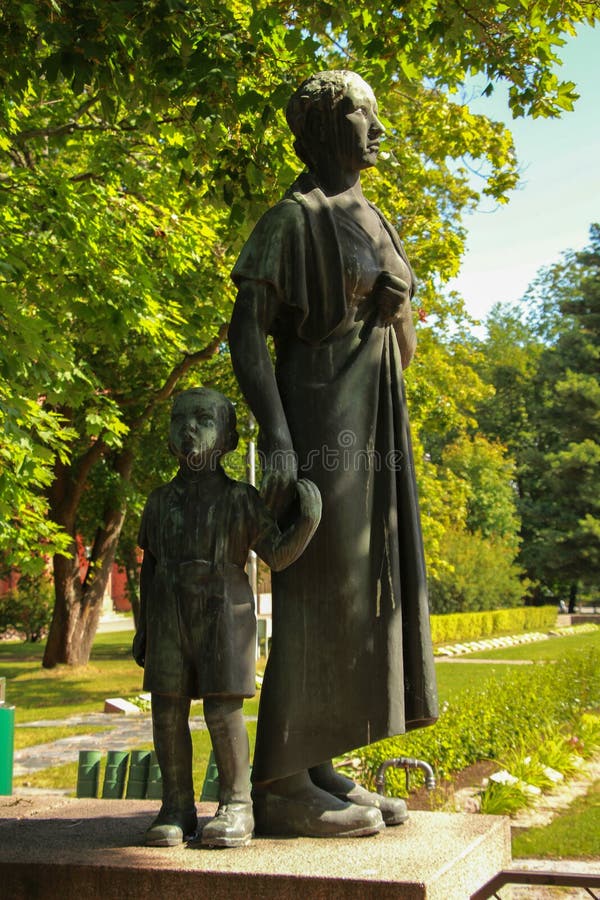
(224, 408)
(317, 96)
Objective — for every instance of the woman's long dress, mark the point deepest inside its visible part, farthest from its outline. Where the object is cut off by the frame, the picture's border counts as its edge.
(351, 659)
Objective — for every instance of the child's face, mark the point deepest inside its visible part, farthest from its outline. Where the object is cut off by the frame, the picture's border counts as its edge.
(196, 432)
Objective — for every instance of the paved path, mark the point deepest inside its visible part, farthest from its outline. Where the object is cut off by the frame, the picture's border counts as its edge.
(121, 733)
(484, 662)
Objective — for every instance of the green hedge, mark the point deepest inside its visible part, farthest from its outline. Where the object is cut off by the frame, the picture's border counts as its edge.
(453, 628)
(488, 721)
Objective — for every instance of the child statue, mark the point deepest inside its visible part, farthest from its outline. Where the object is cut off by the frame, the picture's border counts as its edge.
(197, 632)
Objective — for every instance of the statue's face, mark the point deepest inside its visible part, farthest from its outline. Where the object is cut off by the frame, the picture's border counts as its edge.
(195, 432)
(357, 127)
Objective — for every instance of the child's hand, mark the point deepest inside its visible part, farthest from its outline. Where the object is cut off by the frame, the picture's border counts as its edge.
(138, 648)
(309, 498)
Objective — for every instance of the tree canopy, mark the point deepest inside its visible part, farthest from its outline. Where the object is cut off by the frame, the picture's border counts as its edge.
(139, 141)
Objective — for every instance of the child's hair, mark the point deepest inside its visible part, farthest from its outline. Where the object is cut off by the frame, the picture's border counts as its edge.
(225, 413)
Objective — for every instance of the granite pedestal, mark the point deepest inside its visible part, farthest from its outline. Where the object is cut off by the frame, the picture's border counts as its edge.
(59, 848)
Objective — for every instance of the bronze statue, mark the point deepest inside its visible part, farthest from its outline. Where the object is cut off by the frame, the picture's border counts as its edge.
(197, 630)
(351, 662)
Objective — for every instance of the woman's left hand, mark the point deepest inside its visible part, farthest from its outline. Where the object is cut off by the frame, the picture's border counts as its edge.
(391, 295)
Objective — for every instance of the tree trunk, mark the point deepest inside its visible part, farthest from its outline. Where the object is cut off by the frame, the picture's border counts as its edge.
(78, 604)
(573, 596)
(132, 573)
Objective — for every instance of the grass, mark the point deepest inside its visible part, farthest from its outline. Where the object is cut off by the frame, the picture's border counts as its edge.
(453, 678)
(30, 737)
(575, 834)
(65, 777)
(46, 694)
(39, 693)
(64, 691)
(553, 648)
(61, 692)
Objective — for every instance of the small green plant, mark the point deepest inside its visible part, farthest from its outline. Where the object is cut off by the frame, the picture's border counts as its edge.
(504, 798)
(529, 769)
(557, 753)
(142, 701)
(584, 736)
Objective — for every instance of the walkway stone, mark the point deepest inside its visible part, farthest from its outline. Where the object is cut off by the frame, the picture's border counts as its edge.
(122, 733)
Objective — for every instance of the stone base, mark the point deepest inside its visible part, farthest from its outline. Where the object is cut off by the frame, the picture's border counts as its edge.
(64, 849)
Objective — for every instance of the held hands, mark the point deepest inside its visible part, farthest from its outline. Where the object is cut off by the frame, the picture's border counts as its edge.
(139, 648)
(278, 487)
(309, 498)
(392, 296)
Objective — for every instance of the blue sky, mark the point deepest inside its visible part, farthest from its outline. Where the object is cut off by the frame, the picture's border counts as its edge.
(558, 196)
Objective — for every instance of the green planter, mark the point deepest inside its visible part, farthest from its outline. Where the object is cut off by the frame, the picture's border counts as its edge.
(154, 790)
(88, 773)
(139, 765)
(114, 775)
(7, 744)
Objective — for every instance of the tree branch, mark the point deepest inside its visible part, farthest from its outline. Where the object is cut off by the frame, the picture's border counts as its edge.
(188, 361)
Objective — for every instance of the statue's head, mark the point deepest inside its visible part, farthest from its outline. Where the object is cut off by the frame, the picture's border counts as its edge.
(333, 117)
(203, 428)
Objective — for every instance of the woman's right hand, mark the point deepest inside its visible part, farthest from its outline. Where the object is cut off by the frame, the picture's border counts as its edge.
(278, 487)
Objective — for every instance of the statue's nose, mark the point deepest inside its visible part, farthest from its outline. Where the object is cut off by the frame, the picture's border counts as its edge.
(376, 129)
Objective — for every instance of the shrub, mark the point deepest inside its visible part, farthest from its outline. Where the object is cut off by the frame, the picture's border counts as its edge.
(470, 626)
(28, 608)
(486, 722)
(481, 574)
(585, 735)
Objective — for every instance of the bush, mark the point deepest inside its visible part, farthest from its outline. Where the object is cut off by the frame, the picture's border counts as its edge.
(481, 574)
(486, 722)
(27, 609)
(457, 627)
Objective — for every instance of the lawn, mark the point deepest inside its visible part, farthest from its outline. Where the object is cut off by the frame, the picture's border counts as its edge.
(453, 678)
(575, 834)
(41, 694)
(31, 737)
(553, 648)
(65, 777)
(47, 694)
(57, 693)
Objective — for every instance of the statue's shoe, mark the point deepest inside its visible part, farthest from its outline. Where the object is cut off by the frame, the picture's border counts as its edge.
(393, 809)
(311, 812)
(233, 826)
(171, 828)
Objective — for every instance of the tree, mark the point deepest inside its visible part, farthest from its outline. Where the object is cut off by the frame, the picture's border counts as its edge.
(138, 142)
(562, 504)
(548, 413)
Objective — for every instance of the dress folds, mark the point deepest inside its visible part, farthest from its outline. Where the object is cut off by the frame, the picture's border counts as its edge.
(351, 660)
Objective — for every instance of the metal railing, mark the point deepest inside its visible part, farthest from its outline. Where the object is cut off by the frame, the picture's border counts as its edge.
(587, 881)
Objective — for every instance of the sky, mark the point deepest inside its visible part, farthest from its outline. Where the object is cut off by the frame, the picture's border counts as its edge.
(558, 196)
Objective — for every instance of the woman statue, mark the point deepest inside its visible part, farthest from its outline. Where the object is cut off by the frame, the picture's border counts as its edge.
(351, 660)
